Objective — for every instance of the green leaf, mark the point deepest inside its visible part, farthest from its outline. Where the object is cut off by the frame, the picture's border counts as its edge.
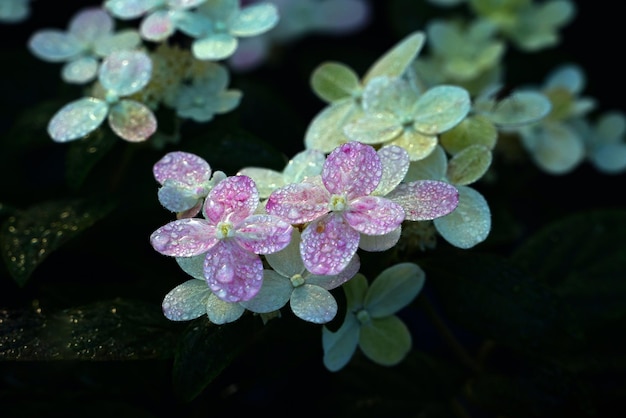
(30, 235)
(494, 298)
(205, 350)
(333, 81)
(108, 330)
(469, 165)
(84, 154)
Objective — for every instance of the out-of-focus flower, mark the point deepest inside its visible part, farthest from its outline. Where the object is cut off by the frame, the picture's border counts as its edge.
(14, 11)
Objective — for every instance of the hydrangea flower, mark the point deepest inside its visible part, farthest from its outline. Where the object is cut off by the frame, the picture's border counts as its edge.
(14, 11)
(216, 26)
(340, 87)
(605, 144)
(121, 74)
(159, 17)
(89, 38)
(231, 236)
(338, 208)
(307, 163)
(185, 181)
(289, 281)
(371, 323)
(396, 113)
(470, 222)
(205, 97)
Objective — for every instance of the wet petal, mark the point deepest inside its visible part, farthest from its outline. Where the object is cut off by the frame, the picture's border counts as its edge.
(184, 167)
(395, 162)
(298, 202)
(287, 261)
(265, 179)
(125, 9)
(313, 304)
(328, 244)
(374, 128)
(232, 199)
(233, 274)
(254, 20)
(186, 301)
(395, 62)
(125, 72)
(425, 199)
(214, 47)
(77, 119)
(263, 234)
(132, 121)
(221, 312)
(440, 108)
(157, 26)
(376, 243)
(124, 39)
(305, 164)
(325, 132)
(184, 238)
(80, 71)
(177, 197)
(418, 146)
(352, 168)
(374, 215)
(332, 281)
(273, 295)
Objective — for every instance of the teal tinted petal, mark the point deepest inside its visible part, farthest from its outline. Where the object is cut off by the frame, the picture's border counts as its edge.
(77, 119)
(305, 164)
(214, 47)
(219, 10)
(54, 45)
(389, 95)
(125, 39)
(157, 26)
(469, 165)
(126, 9)
(132, 121)
(610, 158)
(266, 180)
(374, 128)
(273, 295)
(555, 147)
(287, 261)
(440, 108)
(80, 71)
(355, 290)
(469, 224)
(569, 76)
(177, 197)
(91, 24)
(383, 242)
(520, 108)
(222, 312)
(395, 62)
(254, 20)
(125, 72)
(432, 167)
(332, 81)
(393, 289)
(395, 162)
(325, 132)
(385, 341)
(340, 346)
(313, 304)
(186, 301)
(193, 266)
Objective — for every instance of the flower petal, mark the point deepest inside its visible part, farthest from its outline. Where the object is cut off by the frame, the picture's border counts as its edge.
(125, 72)
(328, 244)
(287, 262)
(90, 24)
(157, 26)
(184, 237)
(273, 295)
(352, 168)
(184, 167)
(54, 45)
(313, 304)
(330, 282)
(419, 146)
(298, 202)
(325, 132)
(395, 62)
(394, 289)
(263, 234)
(232, 199)
(375, 128)
(340, 346)
(425, 199)
(132, 121)
(374, 215)
(305, 164)
(77, 119)
(385, 341)
(440, 108)
(254, 20)
(125, 9)
(376, 243)
(233, 274)
(333, 81)
(222, 312)
(186, 301)
(395, 162)
(214, 47)
(81, 70)
(265, 179)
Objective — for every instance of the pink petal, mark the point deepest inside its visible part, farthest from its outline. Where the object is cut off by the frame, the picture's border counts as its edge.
(157, 26)
(132, 121)
(299, 202)
(328, 244)
(263, 234)
(232, 199)
(233, 273)
(373, 215)
(184, 238)
(182, 166)
(425, 199)
(352, 168)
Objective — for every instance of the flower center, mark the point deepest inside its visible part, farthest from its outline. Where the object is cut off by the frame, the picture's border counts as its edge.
(224, 230)
(297, 280)
(363, 316)
(337, 203)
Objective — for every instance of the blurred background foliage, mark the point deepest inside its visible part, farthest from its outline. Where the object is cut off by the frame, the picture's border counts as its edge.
(527, 324)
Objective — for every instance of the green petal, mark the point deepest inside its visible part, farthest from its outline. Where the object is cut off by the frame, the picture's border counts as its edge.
(193, 266)
(288, 262)
(214, 47)
(325, 132)
(394, 289)
(395, 62)
(333, 81)
(417, 145)
(355, 290)
(389, 95)
(266, 180)
(433, 167)
(440, 108)
(305, 164)
(376, 243)
(520, 108)
(313, 304)
(385, 341)
(469, 165)
(339, 346)
(273, 295)
(186, 301)
(473, 130)
(374, 128)
(254, 20)
(469, 224)
(221, 312)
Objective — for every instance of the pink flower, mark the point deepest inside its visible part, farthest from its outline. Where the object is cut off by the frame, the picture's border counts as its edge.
(338, 208)
(231, 236)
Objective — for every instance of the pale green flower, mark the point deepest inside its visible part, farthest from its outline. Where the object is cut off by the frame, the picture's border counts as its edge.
(371, 322)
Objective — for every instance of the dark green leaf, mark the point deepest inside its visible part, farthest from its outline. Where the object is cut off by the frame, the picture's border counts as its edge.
(106, 330)
(206, 349)
(29, 236)
(495, 299)
(84, 154)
